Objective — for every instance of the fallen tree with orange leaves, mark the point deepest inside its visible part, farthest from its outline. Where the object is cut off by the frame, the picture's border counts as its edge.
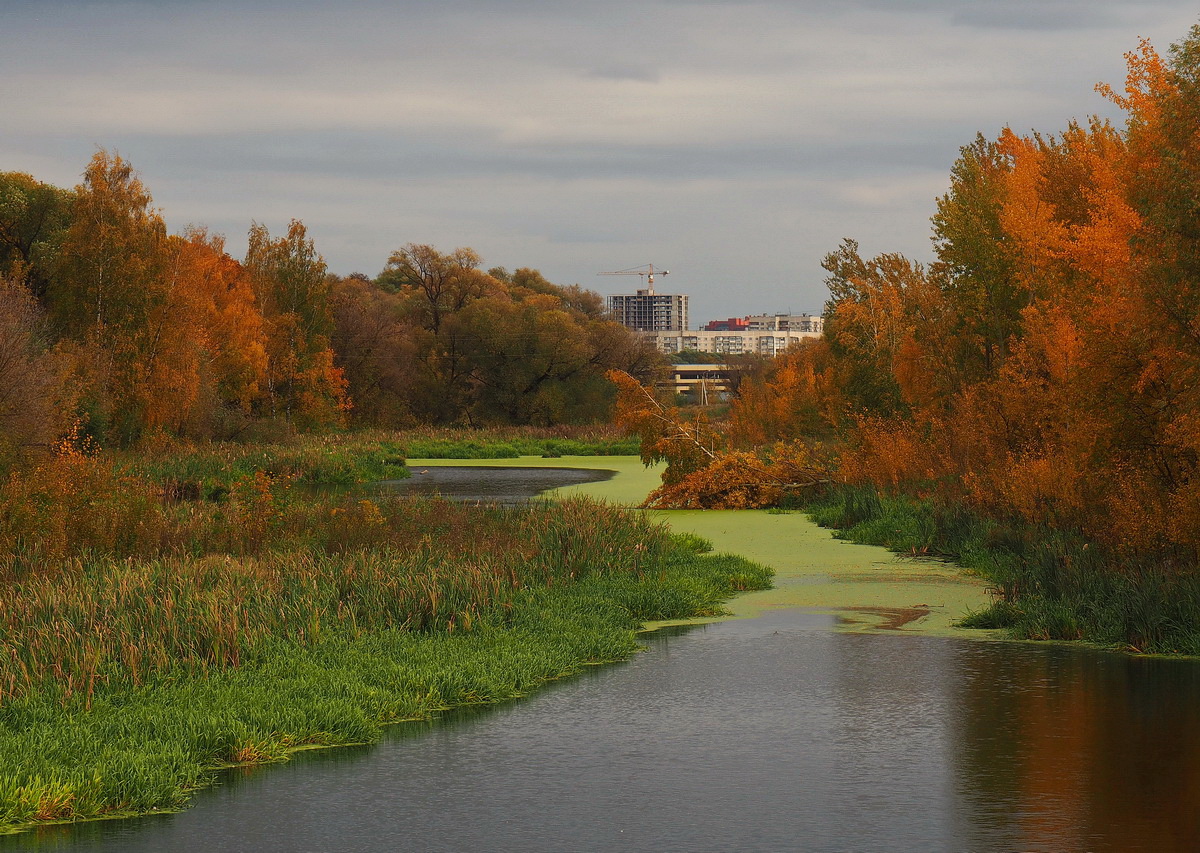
(702, 471)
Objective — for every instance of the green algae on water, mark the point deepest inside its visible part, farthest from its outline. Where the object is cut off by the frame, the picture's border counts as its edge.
(866, 586)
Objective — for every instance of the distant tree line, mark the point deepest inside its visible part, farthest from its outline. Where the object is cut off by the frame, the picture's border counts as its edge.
(112, 326)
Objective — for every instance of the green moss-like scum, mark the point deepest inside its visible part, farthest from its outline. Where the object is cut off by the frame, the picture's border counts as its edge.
(1050, 584)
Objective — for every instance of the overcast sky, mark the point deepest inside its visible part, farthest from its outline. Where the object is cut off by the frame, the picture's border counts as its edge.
(735, 143)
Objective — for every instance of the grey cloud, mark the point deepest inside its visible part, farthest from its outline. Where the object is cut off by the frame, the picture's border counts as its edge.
(363, 156)
(578, 237)
(1033, 15)
(717, 137)
(620, 71)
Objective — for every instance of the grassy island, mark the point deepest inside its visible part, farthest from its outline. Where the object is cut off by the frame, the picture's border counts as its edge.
(152, 635)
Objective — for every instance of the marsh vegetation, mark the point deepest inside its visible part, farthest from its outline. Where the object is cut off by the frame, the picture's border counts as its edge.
(148, 640)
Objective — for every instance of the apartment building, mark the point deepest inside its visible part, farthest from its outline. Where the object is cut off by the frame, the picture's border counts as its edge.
(785, 323)
(664, 318)
(725, 342)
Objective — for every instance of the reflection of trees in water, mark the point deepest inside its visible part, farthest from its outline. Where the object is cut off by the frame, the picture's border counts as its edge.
(1071, 749)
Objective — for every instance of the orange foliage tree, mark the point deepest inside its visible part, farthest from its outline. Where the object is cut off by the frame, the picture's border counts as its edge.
(1046, 367)
(206, 360)
(168, 337)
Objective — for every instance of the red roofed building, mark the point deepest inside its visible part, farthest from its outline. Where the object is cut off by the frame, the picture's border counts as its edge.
(733, 324)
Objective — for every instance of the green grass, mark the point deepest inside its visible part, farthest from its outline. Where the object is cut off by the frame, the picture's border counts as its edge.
(512, 442)
(262, 567)
(1049, 584)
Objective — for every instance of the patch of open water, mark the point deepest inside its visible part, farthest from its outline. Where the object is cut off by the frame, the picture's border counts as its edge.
(767, 734)
(489, 484)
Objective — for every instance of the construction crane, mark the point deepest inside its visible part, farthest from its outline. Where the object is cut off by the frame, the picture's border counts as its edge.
(647, 271)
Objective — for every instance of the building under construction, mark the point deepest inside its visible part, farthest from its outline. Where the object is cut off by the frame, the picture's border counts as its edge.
(647, 311)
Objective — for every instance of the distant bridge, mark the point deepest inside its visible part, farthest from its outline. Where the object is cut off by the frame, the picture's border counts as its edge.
(704, 383)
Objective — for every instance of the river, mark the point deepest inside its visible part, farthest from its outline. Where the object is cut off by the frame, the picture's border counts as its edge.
(779, 731)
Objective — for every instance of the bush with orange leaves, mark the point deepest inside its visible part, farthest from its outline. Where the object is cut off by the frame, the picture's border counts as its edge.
(887, 452)
(74, 504)
(686, 445)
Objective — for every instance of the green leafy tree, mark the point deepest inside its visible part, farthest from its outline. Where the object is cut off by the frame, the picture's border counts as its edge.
(110, 278)
(525, 356)
(304, 386)
(113, 256)
(436, 284)
(978, 275)
(33, 221)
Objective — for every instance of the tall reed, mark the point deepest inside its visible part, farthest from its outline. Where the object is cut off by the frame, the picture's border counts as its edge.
(298, 572)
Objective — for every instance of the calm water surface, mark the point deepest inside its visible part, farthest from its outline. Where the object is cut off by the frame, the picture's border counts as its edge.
(767, 734)
(481, 483)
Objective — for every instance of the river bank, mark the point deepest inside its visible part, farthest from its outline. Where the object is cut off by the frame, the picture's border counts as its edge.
(889, 638)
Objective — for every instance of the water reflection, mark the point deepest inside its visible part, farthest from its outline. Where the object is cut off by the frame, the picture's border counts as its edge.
(1078, 750)
(766, 734)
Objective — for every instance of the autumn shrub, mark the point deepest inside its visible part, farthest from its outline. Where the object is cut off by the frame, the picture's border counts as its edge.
(702, 472)
(36, 396)
(734, 480)
(254, 512)
(887, 452)
(74, 504)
